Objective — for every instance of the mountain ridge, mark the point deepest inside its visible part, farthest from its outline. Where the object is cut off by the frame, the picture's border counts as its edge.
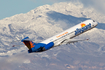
(52, 22)
(44, 22)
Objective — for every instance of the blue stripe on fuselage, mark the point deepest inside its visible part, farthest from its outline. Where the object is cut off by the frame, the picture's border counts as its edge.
(49, 45)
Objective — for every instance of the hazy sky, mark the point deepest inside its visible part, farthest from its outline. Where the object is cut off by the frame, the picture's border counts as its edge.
(12, 7)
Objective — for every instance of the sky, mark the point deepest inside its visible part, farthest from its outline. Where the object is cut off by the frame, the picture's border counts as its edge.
(12, 7)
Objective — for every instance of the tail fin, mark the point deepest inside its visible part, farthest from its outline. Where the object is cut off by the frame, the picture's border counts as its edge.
(28, 43)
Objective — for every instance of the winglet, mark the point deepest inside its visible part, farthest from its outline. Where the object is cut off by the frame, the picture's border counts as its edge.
(87, 39)
(13, 46)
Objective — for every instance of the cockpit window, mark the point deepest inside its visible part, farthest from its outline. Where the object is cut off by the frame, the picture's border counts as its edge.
(93, 20)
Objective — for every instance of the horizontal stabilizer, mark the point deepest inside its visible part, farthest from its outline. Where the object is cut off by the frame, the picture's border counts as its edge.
(26, 38)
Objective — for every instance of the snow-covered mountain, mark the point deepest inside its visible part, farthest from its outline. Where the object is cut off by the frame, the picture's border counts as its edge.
(44, 22)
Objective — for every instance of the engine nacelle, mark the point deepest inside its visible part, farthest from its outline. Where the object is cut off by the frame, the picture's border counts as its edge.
(41, 47)
(38, 48)
(30, 51)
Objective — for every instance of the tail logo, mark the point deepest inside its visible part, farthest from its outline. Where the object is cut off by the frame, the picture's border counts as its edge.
(32, 44)
(29, 44)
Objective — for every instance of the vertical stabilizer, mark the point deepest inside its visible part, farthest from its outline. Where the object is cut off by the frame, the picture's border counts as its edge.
(28, 43)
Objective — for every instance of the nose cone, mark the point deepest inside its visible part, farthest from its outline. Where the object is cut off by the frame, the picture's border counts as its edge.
(95, 23)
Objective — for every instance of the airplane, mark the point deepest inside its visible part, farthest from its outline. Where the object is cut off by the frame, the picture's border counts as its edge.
(64, 37)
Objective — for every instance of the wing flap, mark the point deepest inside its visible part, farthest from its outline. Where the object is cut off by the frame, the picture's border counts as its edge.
(68, 41)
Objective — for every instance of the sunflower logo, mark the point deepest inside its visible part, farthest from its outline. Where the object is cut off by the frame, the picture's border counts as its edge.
(82, 25)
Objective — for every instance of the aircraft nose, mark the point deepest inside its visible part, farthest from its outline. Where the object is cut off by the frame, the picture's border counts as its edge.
(95, 23)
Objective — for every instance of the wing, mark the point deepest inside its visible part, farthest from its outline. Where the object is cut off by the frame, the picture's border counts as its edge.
(68, 41)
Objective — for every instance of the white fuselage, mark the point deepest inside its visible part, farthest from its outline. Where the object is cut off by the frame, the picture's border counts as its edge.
(71, 32)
